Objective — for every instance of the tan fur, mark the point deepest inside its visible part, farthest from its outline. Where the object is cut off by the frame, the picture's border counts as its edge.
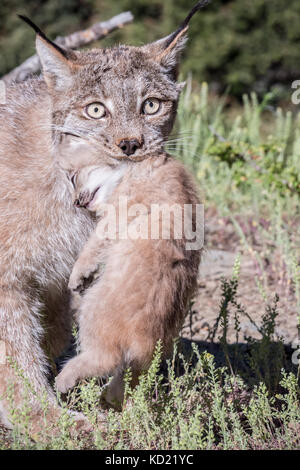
(142, 294)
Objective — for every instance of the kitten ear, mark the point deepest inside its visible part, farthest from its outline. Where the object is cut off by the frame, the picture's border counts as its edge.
(167, 51)
(57, 63)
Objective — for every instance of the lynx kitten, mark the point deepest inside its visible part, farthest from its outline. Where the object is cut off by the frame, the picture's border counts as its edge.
(144, 284)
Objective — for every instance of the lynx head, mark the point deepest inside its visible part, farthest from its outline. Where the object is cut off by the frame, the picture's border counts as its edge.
(122, 101)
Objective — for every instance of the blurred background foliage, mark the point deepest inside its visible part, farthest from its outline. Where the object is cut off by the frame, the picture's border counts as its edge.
(234, 44)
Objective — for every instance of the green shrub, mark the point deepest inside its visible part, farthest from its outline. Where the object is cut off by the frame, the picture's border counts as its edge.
(190, 404)
(240, 44)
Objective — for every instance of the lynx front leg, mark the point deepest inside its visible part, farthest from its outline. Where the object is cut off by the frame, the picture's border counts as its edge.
(21, 354)
(58, 321)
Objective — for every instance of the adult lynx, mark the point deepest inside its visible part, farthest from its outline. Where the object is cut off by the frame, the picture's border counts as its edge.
(96, 96)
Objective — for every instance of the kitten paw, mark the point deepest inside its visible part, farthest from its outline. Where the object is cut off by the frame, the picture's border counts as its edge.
(81, 279)
(65, 380)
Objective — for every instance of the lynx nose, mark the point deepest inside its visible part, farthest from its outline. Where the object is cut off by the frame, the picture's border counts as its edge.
(129, 147)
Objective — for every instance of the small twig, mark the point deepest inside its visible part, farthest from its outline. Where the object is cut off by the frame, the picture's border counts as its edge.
(74, 41)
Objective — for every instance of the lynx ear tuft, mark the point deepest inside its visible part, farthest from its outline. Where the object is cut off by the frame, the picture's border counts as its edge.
(57, 63)
(167, 51)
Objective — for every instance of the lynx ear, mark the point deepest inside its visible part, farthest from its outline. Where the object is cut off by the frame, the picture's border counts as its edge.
(57, 62)
(167, 51)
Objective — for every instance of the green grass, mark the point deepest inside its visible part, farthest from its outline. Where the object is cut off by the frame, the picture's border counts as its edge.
(242, 162)
(241, 395)
(189, 402)
(247, 167)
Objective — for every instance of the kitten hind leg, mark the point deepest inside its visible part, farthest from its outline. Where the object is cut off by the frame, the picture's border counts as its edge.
(113, 393)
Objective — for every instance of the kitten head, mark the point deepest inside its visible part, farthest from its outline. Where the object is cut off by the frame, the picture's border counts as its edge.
(122, 101)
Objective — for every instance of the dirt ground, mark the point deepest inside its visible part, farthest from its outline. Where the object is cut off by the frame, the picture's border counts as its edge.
(223, 245)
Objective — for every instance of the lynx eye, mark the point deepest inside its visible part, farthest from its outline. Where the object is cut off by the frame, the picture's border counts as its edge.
(95, 110)
(151, 106)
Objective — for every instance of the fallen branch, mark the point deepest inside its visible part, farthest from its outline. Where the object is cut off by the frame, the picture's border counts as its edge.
(74, 41)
